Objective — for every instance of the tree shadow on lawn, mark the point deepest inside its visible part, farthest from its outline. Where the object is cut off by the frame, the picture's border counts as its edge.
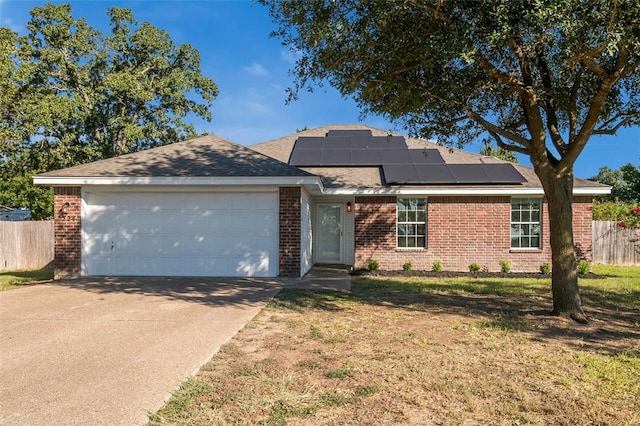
(206, 291)
(614, 328)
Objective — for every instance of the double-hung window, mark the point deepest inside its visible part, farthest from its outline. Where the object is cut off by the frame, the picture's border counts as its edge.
(525, 223)
(411, 222)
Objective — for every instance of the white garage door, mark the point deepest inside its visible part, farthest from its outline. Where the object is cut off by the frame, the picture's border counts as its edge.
(180, 234)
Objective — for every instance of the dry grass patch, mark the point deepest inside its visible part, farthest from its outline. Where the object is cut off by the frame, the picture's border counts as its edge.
(425, 351)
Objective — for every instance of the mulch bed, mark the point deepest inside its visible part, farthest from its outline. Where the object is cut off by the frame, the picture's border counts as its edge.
(456, 274)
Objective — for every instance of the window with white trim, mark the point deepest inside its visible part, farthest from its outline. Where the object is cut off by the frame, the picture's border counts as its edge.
(525, 223)
(411, 223)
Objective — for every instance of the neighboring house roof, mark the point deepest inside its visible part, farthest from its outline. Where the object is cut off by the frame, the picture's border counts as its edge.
(204, 160)
(14, 215)
(366, 179)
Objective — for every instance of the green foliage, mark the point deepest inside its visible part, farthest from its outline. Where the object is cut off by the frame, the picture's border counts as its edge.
(501, 153)
(373, 265)
(20, 192)
(72, 94)
(505, 265)
(584, 267)
(437, 266)
(625, 183)
(474, 267)
(407, 266)
(626, 214)
(544, 268)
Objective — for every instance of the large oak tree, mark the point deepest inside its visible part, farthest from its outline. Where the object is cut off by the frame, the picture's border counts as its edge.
(539, 77)
(71, 94)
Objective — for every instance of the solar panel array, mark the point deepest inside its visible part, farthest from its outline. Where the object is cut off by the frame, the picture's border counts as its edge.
(400, 165)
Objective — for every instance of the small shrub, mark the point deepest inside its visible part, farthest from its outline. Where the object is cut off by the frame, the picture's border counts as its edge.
(407, 266)
(374, 265)
(544, 268)
(474, 267)
(437, 266)
(583, 267)
(505, 266)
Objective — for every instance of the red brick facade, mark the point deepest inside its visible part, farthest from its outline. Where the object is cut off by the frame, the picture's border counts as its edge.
(290, 231)
(67, 206)
(460, 231)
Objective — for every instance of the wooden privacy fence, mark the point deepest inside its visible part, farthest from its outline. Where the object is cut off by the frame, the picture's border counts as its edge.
(615, 245)
(26, 245)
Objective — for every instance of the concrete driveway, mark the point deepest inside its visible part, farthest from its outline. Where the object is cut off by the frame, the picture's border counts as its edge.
(109, 351)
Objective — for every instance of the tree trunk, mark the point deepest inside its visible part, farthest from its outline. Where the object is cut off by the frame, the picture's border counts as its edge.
(564, 273)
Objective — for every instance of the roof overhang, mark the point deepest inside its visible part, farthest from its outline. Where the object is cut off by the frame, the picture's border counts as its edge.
(470, 191)
(313, 183)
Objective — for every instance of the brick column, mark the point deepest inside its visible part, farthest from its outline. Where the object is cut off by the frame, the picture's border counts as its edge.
(290, 231)
(67, 206)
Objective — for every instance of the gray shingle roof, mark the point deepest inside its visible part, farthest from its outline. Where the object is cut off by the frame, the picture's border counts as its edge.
(370, 177)
(207, 156)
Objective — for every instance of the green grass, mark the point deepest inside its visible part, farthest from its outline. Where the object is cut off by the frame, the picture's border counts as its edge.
(427, 350)
(11, 280)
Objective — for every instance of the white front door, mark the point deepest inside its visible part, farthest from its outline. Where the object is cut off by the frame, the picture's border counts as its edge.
(329, 233)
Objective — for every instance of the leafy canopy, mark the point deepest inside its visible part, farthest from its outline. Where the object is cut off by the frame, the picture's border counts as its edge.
(72, 94)
(540, 77)
(624, 182)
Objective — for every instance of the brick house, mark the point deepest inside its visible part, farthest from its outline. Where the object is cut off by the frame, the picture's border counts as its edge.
(340, 194)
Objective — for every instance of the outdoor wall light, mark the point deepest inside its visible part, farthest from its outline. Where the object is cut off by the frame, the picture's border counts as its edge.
(64, 209)
(349, 207)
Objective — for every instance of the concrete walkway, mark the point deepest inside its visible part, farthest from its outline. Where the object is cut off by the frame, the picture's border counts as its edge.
(109, 351)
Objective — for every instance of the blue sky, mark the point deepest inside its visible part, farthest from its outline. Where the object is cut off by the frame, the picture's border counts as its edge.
(252, 72)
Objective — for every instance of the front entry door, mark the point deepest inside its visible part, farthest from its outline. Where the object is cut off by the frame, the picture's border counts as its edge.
(329, 233)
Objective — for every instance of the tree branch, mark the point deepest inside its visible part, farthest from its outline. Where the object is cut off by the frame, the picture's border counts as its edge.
(548, 104)
(573, 102)
(508, 147)
(606, 130)
(501, 76)
(499, 131)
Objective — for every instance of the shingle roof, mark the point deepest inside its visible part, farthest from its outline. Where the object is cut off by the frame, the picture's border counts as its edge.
(370, 177)
(207, 156)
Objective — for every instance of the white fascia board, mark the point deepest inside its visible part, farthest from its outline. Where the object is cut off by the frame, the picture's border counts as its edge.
(459, 191)
(176, 181)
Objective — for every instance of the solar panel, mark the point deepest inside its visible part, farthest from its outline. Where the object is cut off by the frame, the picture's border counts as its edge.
(360, 142)
(391, 142)
(308, 142)
(435, 173)
(306, 157)
(399, 164)
(337, 142)
(396, 156)
(469, 173)
(503, 173)
(400, 173)
(336, 157)
(426, 156)
(366, 157)
(349, 133)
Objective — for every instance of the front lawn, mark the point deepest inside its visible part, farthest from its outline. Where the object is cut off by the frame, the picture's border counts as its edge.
(427, 351)
(12, 280)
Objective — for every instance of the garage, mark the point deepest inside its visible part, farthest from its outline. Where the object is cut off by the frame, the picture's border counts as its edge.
(180, 233)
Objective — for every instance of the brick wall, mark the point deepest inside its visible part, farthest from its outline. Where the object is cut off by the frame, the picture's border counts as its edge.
(460, 231)
(66, 229)
(290, 231)
(583, 227)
